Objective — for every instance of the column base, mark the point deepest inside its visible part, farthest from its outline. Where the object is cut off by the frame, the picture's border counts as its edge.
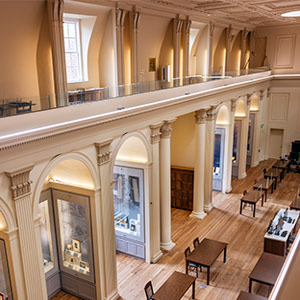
(113, 296)
(154, 259)
(208, 207)
(167, 246)
(198, 215)
(228, 190)
(244, 175)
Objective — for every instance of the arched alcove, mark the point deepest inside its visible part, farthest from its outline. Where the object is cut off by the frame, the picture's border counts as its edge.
(220, 54)
(241, 110)
(3, 223)
(223, 116)
(254, 106)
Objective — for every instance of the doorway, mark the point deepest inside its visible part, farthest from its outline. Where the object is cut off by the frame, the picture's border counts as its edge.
(66, 242)
(218, 159)
(251, 128)
(275, 144)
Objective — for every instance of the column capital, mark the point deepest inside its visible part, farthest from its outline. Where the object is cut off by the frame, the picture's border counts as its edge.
(155, 132)
(135, 17)
(103, 151)
(200, 116)
(166, 129)
(120, 17)
(249, 99)
(233, 105)
(211, 113)
(244, 33)
(211, 29)
(20, 182)
(188, 24)
(261, 96)
(178, 24)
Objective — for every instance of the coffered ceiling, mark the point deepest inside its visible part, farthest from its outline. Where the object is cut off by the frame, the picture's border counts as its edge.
(247, 13)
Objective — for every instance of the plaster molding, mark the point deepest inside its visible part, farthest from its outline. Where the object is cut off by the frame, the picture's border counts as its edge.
(20, 182)
(155, 133)
(166, 129)
(103, 152)
(200, 116)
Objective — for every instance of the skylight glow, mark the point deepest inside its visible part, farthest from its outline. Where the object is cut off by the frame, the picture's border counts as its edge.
(295, 13)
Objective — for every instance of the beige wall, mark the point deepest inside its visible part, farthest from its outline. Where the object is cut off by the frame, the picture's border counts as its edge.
(219, 54)
(235, 55)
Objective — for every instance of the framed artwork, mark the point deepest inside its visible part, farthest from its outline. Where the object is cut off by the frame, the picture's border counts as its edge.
(71, 260)
(76, 246)
(2, 297)
(152, 64)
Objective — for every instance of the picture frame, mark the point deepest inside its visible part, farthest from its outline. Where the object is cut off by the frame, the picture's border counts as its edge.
(76, 246)
(82, 265)
(2, 296)
(71, 260)
(152, 64)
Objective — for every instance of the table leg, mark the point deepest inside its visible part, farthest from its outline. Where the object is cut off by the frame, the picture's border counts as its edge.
(262, 199)
(208, 269)
(272, 188)
(254, 210)
(186, 267)
(225, 250)
(275, 183)
(241, 207)
(250, 285)
(193, 294)
(266, 195)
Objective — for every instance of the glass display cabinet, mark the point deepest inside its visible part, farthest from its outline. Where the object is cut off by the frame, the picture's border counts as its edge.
(128, 194)
(250, 138)
(218, 159)
(5, 283)
(236, 147)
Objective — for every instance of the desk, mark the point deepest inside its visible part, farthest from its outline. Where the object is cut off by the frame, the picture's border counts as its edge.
(175, 287)
(86, 95)
(266, 269)
(274, 173)
(206, 254)
(283, 165)
(264, 184)
(246, 296)
(252, 197)
(277, 244)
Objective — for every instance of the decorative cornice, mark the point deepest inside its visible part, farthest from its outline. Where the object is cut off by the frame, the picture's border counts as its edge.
(166, 129)
(200, 116)
(103, 152)
(155, 133)
(20, 182)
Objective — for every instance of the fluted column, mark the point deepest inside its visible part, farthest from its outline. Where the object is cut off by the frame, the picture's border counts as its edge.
(177, 28)
(209, 157)
(165, 186)
(134, 25)
(186, 46)
(55, 12)
(228, 47)
(210, 37)
(110, 268)
(33, 272)
(156, 253)
(243, 49)
(199, 166)
(120, 18)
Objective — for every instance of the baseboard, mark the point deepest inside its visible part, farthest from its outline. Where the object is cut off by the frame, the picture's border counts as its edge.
(113, 296)
(156, 257)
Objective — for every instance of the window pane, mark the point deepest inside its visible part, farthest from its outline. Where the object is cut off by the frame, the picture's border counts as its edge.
(72, 45)
(74, 59)
(67, 47)
(68, 59)
(71, 30)
(65, 29)
(217, 154)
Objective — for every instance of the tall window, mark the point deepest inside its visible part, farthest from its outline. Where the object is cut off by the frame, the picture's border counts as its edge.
(73, 50)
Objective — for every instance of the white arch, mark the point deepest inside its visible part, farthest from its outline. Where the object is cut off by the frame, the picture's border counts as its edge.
(241, 107)
(55, 161)
(254, 98)
(8, 215)
(223, 114)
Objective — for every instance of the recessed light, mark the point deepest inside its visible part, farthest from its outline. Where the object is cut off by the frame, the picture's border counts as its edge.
(295, 13)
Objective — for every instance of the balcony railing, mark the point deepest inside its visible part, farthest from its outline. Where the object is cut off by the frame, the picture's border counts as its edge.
(16, 106)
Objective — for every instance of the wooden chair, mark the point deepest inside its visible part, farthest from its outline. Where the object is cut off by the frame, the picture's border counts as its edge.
(196, 242)
(191, 267)
(245, 204)
(265, 170)
(149, 290)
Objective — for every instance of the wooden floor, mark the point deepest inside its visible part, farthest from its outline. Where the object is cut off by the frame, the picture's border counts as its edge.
(243, 233)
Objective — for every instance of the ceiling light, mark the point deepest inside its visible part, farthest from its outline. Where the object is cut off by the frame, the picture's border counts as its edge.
(295, 13)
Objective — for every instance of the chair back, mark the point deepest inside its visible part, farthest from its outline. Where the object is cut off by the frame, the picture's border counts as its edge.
(265, 170)
(149, 290)
(187, 252)
(196, 242)
(244, 192)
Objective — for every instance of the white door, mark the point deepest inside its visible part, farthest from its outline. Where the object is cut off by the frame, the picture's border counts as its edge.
(275, 145)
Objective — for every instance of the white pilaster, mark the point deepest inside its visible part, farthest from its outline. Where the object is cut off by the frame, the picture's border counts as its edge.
(55, 12)
(33, 273)
(243, 49)
(198, 201)
(165, 186)
(134, 24)
(110, 274)
(155, 252)
(177, 28)
(228, 47)
(209, 157)
(210, 37)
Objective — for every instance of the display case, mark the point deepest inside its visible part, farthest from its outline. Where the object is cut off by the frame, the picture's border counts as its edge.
(236, 147)
(218, 159)
(128, 193)
(251, 126)
(5, 283)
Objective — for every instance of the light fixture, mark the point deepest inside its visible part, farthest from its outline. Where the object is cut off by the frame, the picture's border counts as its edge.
(295, 13)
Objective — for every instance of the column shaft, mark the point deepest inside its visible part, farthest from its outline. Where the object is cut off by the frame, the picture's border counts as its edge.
(210, 36)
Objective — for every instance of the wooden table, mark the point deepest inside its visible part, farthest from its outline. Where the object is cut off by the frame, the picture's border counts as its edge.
(264, 184)
(295, 204)
(252, 197)
(277, 244)
(266, 269)
(206, 254)
(246, 296)
(274, 173)
(283, 165)
(175, 287)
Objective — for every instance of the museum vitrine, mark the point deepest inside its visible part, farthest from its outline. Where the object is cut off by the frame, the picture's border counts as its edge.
(5, 284)
(251, 126)
(218, 159)
(236, 147)
(128, 194)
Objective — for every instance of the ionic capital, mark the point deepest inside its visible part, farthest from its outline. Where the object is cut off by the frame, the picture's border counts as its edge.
(166, 129)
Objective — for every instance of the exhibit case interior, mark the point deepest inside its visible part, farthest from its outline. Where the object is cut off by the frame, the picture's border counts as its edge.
(218, 159)
(250, 138)
(128, 194)
(5, 283)
(236, 147)
(66, 239)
